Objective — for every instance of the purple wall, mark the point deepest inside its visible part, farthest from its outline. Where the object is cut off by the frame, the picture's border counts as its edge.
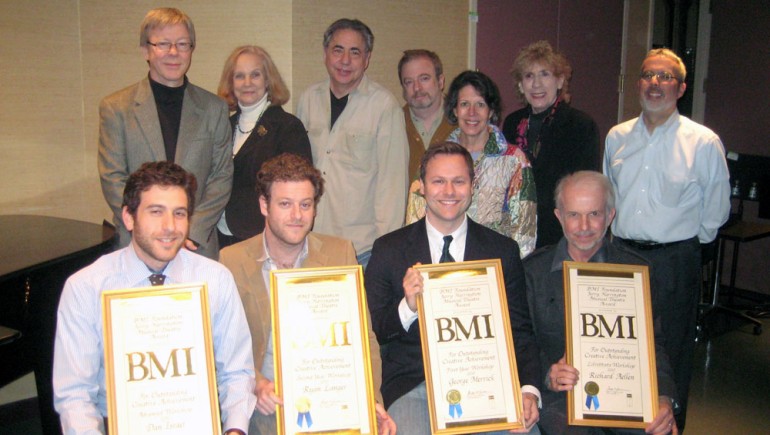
(738, 110)
(588, 32)
(738, 85)
(504, 28)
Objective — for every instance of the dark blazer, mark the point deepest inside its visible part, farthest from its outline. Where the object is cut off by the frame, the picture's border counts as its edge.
(392, 255)
(130, 134)
(569, 143)
(275, 133)
(545, 296)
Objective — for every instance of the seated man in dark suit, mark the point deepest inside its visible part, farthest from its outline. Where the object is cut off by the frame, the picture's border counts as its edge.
(585, 204)
(392, 286)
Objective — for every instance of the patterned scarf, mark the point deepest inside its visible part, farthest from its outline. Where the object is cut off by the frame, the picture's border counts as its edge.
(521, 131)
(496, 144)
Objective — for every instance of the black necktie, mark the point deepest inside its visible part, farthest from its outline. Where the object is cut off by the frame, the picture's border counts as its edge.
(157, 279)
(446, 257)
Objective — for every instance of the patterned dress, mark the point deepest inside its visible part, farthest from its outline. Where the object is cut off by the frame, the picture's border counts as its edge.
(504, 196)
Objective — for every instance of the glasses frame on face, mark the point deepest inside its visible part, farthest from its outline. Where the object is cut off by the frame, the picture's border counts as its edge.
(663, 76)
(165, 46)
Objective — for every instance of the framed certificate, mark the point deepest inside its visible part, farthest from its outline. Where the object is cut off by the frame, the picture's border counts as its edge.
(610, 340)
(467, 348)
(321, 351)
(159, 362)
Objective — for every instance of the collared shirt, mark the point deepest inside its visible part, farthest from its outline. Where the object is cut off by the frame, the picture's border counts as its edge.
(670, 185)
(436, 241)
(419, 141)
(364, 159)
(426, 134)
(78, 373)
(543, 271)
(436, 244)
(268, 264)
(562, 254)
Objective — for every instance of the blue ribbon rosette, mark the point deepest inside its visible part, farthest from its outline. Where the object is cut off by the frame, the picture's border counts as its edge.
(592, 390)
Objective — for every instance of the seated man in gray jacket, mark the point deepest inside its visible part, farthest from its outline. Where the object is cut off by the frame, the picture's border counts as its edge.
(585, 205)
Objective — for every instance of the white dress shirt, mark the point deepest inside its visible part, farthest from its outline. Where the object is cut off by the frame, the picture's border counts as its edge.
(436, 244)
(670, 185)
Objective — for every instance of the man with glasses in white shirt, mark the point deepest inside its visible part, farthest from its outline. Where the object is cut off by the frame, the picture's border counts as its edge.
(165, 117)
(672, 192)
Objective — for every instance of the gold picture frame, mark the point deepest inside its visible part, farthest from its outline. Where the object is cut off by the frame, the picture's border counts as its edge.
(160, 373)
(321, 351)
(471, 376)
(610, 341)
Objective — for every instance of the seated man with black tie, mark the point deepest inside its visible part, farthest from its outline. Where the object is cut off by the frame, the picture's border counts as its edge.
(158, 202)
(445, 234)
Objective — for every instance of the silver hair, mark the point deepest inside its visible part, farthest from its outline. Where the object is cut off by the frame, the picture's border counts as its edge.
(352, 24)
(586, 176)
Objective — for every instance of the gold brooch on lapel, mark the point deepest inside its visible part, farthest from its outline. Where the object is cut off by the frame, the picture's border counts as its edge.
(261, 130)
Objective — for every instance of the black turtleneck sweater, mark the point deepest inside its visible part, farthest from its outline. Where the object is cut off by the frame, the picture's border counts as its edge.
(169, 103)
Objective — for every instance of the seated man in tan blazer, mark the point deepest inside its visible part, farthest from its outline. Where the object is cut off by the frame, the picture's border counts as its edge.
(289, 188)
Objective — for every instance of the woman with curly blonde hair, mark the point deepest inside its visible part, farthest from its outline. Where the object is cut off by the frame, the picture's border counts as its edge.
(557, 138)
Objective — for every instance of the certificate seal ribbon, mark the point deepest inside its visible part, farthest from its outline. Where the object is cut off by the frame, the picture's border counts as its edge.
(453, 397)
(592, 390)
(303, 412)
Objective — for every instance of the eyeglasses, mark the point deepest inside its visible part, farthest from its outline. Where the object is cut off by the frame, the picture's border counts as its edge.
(165, 46)
(663, 77)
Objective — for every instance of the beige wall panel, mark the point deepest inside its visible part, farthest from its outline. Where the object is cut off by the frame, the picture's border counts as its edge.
(113, 60)
(41, 129)
(69, 55)
(60, 58)
(398, 25)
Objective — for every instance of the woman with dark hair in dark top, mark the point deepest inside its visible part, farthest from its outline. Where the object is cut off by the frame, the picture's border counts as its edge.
(557, 138)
